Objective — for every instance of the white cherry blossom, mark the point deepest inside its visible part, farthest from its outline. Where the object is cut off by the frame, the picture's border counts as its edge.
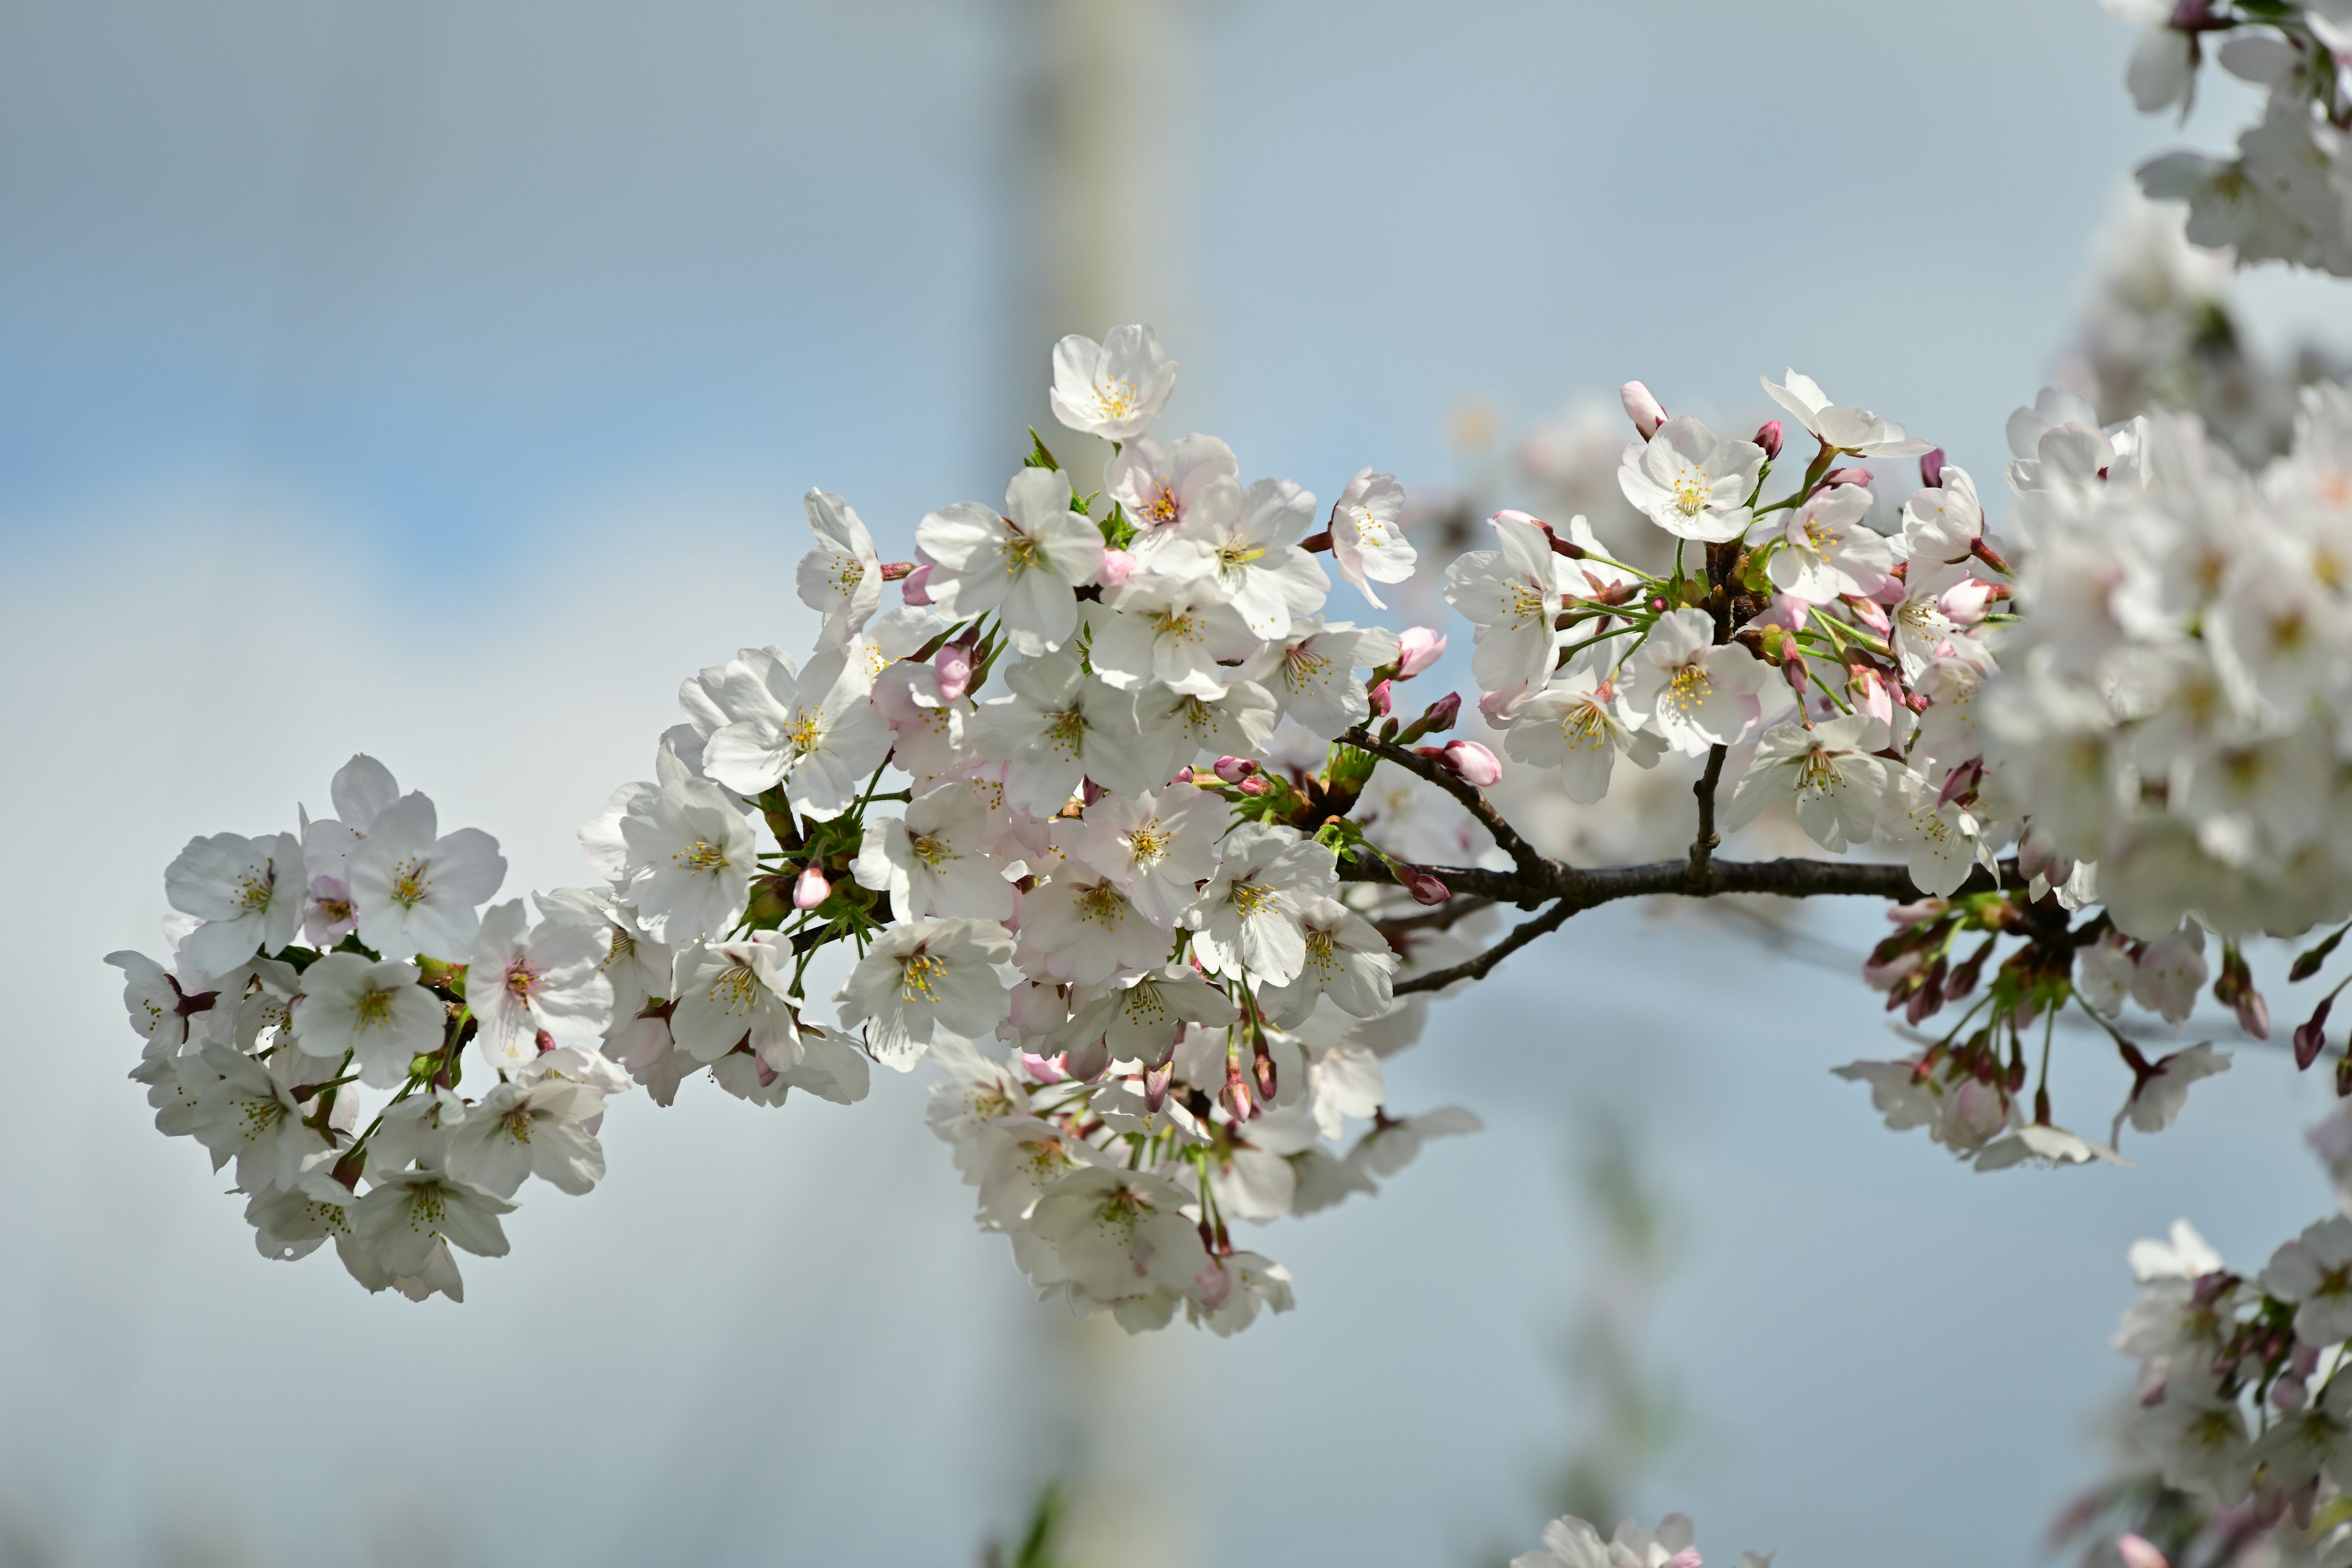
(1114, 388)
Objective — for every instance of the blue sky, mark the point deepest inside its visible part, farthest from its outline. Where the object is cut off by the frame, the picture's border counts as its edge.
(441, 381)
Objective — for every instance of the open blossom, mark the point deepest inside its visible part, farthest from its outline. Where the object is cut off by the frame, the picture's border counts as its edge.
(377, 1012)
(251, 1116)
(1849, 429)
(1512, 594)
(2156, 1099)
(1250, 551)
(548, 978)
(1025, 564)
(247, 892)
(1942, 839)
(1828, 770)
(1169, 630)
(1155, 848)
(535, 1128)
(926, 980)
(1080, 927)
(414, 890)
(689, 861)
(938, 860)
(1115, 388)
(1575, 724)
(2314, 1271)
(1690, 692)
(404, 1214)
(809, 729)
(1347, 960)
(1368, 542)
(1248, 916)
(1312, 672)
(1691, 482)
(731, 993)
(1829, 549)
(841, 579)
(1944, 523)
(1159, 488)
(1058, 727)
(1143, 1019)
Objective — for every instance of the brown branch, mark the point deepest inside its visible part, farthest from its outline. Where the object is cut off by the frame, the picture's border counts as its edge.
(1703, 846)
(1787, 878)
(1525, 932)
(1524, 855)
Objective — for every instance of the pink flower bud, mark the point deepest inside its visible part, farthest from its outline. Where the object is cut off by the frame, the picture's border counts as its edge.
(953, 663)
(1233, 769)
(1642, 408)
(1442, 713)
(1848, 477)
(1379, 700)
(1183, 774)
(1116, 567)
(1252, 787)
(1501, 707)
(912, 590)
(1087, 1062)
(1474, 763)
(1417, 649)
(1931, 468)
(893, 571)
(1424, 888)
(2254, 1013)
(1155, 1084)
(2310, 1036)
(1041, 1069)
(810, 889)
(1767, 436)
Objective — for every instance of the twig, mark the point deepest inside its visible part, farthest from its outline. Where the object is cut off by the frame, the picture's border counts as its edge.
(1703, 846)
(1444, 917)
(1787, 878)
(1523, 855)
(1525, 932)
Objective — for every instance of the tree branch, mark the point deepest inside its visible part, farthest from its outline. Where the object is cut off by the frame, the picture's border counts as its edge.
(1703, 846)
(1523, 855)
(1787, 878)
(1525, 932)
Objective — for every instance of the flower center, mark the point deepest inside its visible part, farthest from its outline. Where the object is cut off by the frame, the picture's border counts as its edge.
(1101, 904)
(373, 1010)
(1693, 494)
(1118, 396)
(919, 975)
(1147, 846)
(806, 732)
(736, 990)
(1021, 551)
(1689, 687)
(410, 883)
(1161, 507)
(930, 848)
(255, 888)
(1065, 729)
(1250, 897)
(701, 856)
(522, 981)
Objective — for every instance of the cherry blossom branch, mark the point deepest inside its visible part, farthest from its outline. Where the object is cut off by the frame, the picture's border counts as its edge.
(1523, 855)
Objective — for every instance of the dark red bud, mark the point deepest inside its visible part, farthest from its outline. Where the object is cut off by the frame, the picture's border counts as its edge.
(1931, 468)
(1767, 436)
(1442, 713)
(1380, 697)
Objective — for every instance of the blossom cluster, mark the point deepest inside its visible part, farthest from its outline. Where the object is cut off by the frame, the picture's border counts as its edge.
(1570, 1542)
(1040, 807)
(2243, 1400)
(355, 955)
(2287, 195)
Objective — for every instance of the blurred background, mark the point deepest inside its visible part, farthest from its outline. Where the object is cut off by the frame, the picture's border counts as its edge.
(441, 381)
